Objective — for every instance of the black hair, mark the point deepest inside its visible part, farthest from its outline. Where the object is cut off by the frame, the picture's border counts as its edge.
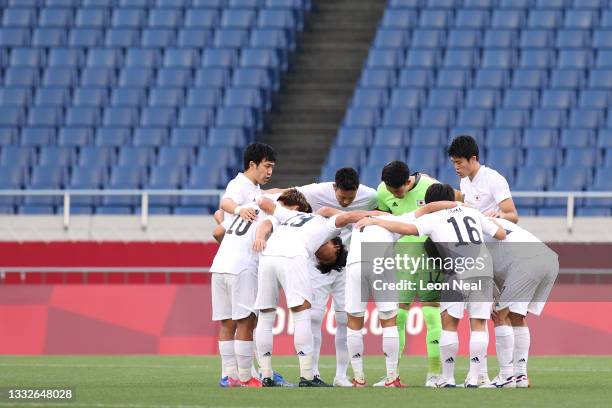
(395, 174)
(347, 179)
(439, 192)
(464, 147)
(341, 255)
(258, 152)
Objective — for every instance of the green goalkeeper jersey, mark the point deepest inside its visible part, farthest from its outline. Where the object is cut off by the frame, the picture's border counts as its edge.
(412, 201)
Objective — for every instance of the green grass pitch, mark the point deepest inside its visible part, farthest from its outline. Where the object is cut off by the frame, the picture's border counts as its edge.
(184, 381)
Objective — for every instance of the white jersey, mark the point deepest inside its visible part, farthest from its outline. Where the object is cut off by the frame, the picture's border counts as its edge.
(323, 195)
(235, 254)
(519, 244)
(299, 234)
(486, 190)
(457, 227)
(374, 234)
(242, 191)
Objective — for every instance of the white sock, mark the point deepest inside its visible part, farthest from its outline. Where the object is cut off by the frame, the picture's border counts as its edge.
(254, 372)
(316, 319)
(484, 369)
(479, 341)
(342, 354)
(302, 340)
(522, 340)
(244, 358)
(449, 346)
(504, 346)
(390, 346)
(228, 359)
(265, 342)
(354, 341)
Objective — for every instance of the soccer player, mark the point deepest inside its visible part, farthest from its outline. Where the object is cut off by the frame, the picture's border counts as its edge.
(459, 231)
(398, 193)
(285, 262)
(361, 283)
(234, 289)
(345, 193)
(258, 160)
(525, 269)
(481, 187)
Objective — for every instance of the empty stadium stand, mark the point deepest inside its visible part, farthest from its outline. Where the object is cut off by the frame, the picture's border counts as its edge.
(529, 79)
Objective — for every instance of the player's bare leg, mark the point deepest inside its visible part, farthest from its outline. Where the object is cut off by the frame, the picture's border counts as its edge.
(229, 370)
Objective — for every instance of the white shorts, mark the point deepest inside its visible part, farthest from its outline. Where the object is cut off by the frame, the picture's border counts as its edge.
(291, 274)
(233, 296)
(358, 291)
(325, 284)
(528, 285)
(476, 310)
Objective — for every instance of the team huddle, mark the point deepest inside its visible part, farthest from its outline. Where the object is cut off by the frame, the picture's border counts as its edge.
(327, 239)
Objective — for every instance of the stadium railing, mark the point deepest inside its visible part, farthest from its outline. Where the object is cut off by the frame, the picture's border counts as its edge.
(570, 196)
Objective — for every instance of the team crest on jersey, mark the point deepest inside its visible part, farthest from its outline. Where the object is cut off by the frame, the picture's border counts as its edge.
(477, 197)
(420, 203)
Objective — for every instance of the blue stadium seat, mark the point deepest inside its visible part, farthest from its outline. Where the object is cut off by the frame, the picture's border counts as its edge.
(537, 58)
(399, 18)
(546, 157)
(503, 137)
(445, 98)
(219, 57)
(453, 78)
(586, 118)
(421, 38)
(128, 17)
(158, 37)
(492, 78)
(74, 136)
(600, 78)
(270, 38)
(85, 37)
(204, 97)
(460, 58)
(126, 97)
(55, 17)
(482, 98)
(227, 137)
(536, 38)
(177, 77)
(504, 157)
(187, 137)
(381, 155)
(158, 116)
(248, 78)
(82, 116)
(66, 57)
(194, 37)
(424, 159)
(435, 18)
(577, 138)
(575, 58)
(407, 98)
(540, 138)
(346, 157)
(544, 18)
(166, 97)
(390, 137)
(202, 18)
(463, 38)
(511, 19)
(500, 38)
(362, 117)
(49, 37)
(238, 18)
(520, 98)
(44, 116)
(472, 18)
(165, 18)
(202, 116)
(567, 78)
(46, 178)
(548, 118)
(38, 136)
(59, 77)
(8, 136)
(27, 57)
(602, 39)
(122, 37)
(245, 97)
(98, 76)
(21, 76)
(529, 78)
(14, 37)
(428, 137)
(19, 17)
(421, 58)
(400, 117)
(416, 77)
(211, 156)
(584, 19)
(150, 136)
(369, 98)
(392, 38)
(231, 38)
(498, 58)
(511, 118)
(276, 18)
(581, 157)
(474, 117)
(95, 97)
(15, 96)
(604, 138)
(354, 137)
(573, 38)
(56, 156)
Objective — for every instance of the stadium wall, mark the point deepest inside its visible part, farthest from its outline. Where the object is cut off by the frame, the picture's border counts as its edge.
(108, 286)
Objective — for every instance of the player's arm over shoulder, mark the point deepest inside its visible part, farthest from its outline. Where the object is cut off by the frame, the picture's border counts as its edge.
(491, 228)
